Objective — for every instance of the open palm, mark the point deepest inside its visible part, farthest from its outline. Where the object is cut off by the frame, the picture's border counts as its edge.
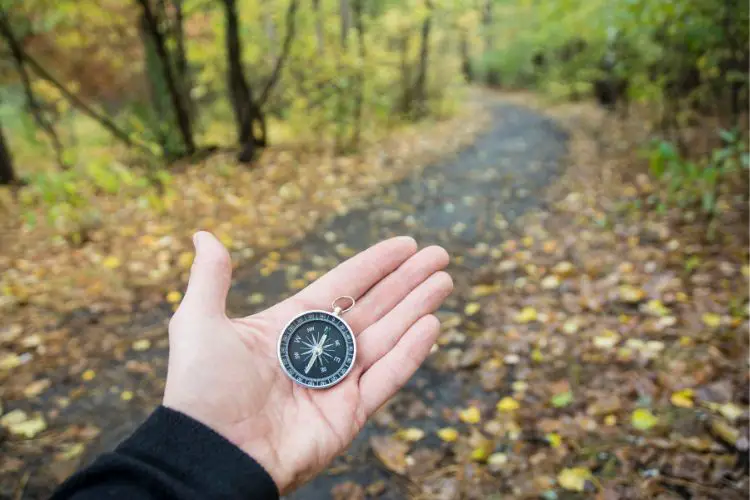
(225, 372)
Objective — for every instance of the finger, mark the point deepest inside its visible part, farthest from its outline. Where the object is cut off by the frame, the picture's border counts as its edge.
(394, 369)
(380, 338)
(392, 289)
(210, 277)
(358, 274)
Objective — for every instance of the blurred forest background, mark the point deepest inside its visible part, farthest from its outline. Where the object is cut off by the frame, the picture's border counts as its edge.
(126, 125)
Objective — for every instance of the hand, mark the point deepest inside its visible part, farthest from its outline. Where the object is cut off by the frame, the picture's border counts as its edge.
(225, 372)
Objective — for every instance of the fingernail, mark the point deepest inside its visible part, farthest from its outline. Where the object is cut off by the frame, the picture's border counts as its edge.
(196, 241)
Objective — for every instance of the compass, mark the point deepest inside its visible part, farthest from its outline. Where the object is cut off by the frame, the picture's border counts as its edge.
(317, 348)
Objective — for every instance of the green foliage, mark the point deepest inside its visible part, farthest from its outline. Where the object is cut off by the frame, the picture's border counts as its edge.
(697, 183)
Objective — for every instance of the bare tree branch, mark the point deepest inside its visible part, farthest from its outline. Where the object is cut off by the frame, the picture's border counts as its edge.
(31, 102)
(291, 16)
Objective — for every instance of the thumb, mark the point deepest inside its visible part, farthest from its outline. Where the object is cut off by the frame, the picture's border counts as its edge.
(210, 277)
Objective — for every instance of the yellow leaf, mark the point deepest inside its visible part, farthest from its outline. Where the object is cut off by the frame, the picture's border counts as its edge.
(88, 375)
(554, 439)
(9, 362)
(497, 459)
(550, 282)
(412, 434)
(537, 356)
(174, 297)
(470, 415)
(643, 420)
(527, 315)
(297, 284)
(126, 395)
(574, 479)
(631, 294)
(484, 290)
(448, 434)
(570, 327)
(185, 260)
(607, 340)
(712, 320)
(344, 250)
(111, 262)
(141, 345)
(657, 308)
(683, 398)
(731, 411)
(563, 268)
(36, 388)
(482, 451)
(256, 298)
(71, 451)
(610, 420)
(507, 404)
(472, 308)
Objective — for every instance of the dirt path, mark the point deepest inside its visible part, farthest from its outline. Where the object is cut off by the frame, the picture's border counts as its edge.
(466, 203)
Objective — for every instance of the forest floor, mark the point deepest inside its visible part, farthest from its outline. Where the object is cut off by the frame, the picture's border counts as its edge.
(592, 346)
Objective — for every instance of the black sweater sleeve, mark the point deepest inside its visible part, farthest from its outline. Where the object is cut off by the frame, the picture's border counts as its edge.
(171, 456)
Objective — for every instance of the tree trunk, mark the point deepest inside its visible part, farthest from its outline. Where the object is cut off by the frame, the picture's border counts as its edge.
(178, 98)
(319, 32)
(246, 112)
(345, 22)
(31, 102)
(179, 33)
(359, 99)
(489, 36)
(7, 173)
(420, 86)
(465, 57)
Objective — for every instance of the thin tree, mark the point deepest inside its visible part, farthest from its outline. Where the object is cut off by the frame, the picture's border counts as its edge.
(179, 98)
(7, 172)
(319, 33)
(250, 118)
(359, 99)
(32, 104)
(420, 84)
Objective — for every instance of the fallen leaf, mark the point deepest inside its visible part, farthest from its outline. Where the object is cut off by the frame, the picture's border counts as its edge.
(643, 420)
(607, 340)
(683, 398)
(711, 320)
(391, 452)
(553, 439)
(631, 294)
(472, 308)
(448, 434)
(497, 460)
(111, 262)
(174, 297)
(507, 404)
(10, 361)
(256, 298)
(88, 375)
(483, 290)
(20, 424)
(527, 315)
(412, 434)
(126, 395)
(36, 388)
(574, 479)
(550, 282)
(562, 399)
(348, 490)
(141, 345)
(470, 415)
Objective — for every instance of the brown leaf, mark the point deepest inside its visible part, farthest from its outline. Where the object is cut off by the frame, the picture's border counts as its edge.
(391, 452)
(348, 490)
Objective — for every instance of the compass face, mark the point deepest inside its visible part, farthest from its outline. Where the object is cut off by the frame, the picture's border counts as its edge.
(316, 349)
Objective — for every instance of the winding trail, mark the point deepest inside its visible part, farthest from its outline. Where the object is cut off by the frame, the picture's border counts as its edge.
(467, 202)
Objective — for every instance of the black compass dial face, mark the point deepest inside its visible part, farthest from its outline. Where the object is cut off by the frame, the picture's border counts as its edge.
(317, 349)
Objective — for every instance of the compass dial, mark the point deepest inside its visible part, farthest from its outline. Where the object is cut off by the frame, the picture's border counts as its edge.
(316, 349)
